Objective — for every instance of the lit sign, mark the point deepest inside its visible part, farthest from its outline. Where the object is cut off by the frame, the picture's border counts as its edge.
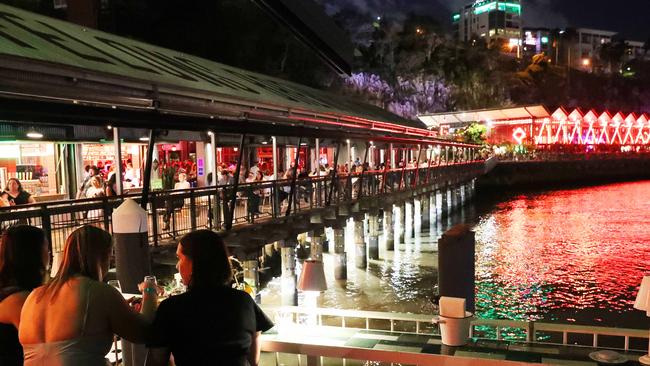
(200, 166)
(544, 40)
(519, 135)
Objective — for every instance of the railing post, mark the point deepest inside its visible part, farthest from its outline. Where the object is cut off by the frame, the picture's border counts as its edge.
(154, 218)
(192, 210)
(106, 210)
(530, 332)
(217, 208)
(46, 225)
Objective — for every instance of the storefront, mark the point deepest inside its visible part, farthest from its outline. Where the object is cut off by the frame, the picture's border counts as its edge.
(102, 155)
(33, 164)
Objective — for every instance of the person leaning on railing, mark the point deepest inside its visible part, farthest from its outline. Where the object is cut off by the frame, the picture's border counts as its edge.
(211, 323)
(71, 320)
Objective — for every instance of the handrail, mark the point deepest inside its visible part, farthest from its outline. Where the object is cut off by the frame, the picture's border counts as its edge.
(173, 213)
(530, 328)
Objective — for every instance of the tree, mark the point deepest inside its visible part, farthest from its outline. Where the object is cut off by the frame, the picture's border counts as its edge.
(612, 54)
(475, 133)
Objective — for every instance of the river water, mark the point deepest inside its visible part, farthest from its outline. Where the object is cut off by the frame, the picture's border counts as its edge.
(570, 255)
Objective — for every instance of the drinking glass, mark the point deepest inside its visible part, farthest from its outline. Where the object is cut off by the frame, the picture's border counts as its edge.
(150, 280)
(116, 284)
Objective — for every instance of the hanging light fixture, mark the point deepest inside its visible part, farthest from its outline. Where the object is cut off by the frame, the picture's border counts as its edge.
(33, 134)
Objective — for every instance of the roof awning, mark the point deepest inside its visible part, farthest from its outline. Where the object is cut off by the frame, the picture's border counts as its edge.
(458, 119)
(60, 67)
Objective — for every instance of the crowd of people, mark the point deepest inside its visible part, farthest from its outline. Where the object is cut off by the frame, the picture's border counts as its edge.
(72, 318)
(99, 181)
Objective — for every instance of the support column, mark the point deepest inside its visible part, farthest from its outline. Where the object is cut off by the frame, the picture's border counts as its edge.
(399, 223)
(288, 280)
(444, 202)
(373, 239)
(316, 244)
(417, 215)
(340, 258)
(212, 156)
(359, 244)
(463, 195)
(251, 276)
(433, 198)
(426, 210)
(389, 228)
(117, 145)
(409, 224)
(450, 199)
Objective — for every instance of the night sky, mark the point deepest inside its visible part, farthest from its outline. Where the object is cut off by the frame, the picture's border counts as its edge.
(629, 17)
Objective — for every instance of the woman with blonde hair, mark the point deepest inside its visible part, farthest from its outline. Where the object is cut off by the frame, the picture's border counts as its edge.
(72, 319)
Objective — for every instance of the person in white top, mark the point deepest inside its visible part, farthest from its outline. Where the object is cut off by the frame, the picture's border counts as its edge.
(182, 182)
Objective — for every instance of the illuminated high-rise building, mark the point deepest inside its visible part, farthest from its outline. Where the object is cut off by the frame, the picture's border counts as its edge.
(498, 22)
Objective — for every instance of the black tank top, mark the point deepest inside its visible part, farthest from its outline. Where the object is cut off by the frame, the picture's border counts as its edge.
(11, 352)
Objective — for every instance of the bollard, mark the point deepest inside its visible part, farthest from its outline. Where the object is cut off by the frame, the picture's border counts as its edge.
(132, 262)
(456, 267)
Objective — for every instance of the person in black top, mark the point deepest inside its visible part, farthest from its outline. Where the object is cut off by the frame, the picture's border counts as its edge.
(15, 194)
(23, 262)
(212, 323)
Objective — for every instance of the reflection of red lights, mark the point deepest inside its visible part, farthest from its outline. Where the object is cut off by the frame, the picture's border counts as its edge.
(564, 251)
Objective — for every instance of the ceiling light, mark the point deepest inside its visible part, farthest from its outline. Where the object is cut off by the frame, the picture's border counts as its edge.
(33, 134)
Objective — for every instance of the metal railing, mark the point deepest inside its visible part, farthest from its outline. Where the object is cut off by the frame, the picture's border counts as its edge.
(421, 323)
(174, 213)
(553, 152)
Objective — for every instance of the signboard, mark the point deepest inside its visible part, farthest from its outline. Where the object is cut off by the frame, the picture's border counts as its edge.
(200, 167)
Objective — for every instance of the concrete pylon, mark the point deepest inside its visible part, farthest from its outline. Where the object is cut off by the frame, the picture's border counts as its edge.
(251, 276)
(409, 226)
(373, 235)
(359, 244)
(417, 216)
(389, 228)
(316, 237)
(288, 280)
(340, 258)
(399, 223)
(425, 206)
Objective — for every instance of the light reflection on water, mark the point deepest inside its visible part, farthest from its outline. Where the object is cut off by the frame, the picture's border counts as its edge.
(574, 255)
(571, 255)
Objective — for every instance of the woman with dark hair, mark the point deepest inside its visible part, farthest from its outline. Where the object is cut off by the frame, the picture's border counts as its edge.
(15, 194)
(211, 323)
(73, 318)
(23, 263)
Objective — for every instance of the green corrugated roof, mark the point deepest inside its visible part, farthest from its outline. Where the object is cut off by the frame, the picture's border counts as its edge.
(54, 42)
